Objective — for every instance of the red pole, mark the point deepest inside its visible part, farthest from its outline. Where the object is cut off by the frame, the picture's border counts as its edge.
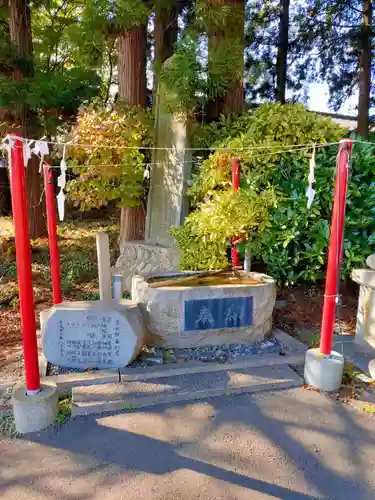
(23, 258)
(236, 173)
(335, 246)
(52, 234)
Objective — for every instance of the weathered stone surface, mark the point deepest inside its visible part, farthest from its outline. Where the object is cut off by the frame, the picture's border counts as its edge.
(139, 257)
(370, 261)
(365, 329)
(167, 202)
(96, 334)
(180, 387)
(166, 312)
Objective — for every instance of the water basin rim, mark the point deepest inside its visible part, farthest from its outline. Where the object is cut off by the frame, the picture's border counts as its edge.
(266, 280)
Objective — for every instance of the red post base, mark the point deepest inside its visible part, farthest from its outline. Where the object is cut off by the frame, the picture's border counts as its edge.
(23, 258)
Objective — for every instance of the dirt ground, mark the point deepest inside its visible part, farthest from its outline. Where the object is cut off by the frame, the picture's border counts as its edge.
(299, 310)
(78, 278)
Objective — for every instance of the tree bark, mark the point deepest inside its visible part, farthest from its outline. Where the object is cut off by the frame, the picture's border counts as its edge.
(5, 202)
(20, 34)
(165, 35)
(5, 71)
(132, 87)
(364, 82)
(282, 51)
(233, 100)
(133, 91)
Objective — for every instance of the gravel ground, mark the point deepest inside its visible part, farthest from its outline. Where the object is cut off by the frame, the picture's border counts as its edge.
(151, 356)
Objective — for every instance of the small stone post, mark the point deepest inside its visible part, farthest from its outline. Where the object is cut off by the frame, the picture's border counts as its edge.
(104, 266)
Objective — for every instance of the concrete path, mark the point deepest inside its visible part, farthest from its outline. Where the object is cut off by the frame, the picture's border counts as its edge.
(290, 445)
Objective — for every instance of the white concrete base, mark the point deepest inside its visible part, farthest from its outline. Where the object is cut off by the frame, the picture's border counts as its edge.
(34, 413)
(324, 372)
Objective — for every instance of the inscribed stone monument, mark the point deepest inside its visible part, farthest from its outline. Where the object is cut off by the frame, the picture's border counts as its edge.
(167, 203)
(98, 334)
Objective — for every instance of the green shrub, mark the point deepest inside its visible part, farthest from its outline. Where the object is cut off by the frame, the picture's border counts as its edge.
(8, 269)
(197, 254)
(293, 241)
(204, 236)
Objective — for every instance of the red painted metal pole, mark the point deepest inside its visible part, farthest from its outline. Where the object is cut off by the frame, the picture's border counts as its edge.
(236, 174)
(335, 246)
(52, 234)
(23, 258)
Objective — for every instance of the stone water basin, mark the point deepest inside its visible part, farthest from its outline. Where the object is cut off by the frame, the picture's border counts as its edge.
(195, 309)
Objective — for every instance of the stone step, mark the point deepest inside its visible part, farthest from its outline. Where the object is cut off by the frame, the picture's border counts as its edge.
(293, 354)
(140, 393)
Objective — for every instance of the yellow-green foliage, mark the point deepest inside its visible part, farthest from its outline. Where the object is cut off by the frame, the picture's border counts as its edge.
(228, 213)
(109, 174)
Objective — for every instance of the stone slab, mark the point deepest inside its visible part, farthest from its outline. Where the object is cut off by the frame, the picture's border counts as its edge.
(96, 334)
(358, 352)
(65, 382)
(137, 394)
(167, 370)
(291, 344)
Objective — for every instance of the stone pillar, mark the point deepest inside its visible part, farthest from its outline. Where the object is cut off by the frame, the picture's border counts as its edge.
(167, 203)
(365, 330)
(104, 265)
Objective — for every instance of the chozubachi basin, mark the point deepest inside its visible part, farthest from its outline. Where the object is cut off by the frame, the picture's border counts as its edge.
(191, 309)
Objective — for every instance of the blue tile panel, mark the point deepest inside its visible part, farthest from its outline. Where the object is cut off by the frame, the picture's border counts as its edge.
(212, 314)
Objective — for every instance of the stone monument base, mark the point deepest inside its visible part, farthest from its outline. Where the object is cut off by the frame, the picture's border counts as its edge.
(140, 257)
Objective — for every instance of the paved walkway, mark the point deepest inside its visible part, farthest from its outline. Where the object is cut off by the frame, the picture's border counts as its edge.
(292, 445)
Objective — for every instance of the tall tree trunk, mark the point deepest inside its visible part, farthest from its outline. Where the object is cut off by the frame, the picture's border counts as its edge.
(20, 34)
(5, 205)
(282, 51)
(5, 71)
(132, 87)
(221, 37)
(133, 91)
(364, 82)
(165, 36)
